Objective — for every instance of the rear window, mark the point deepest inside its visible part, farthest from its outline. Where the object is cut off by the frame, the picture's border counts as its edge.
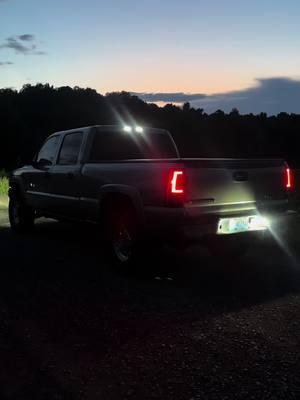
(120, 145)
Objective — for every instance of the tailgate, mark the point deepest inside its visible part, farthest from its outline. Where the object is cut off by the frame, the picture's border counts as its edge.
(234, 185)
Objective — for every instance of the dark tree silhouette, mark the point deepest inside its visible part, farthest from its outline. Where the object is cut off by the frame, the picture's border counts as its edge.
(28, 116)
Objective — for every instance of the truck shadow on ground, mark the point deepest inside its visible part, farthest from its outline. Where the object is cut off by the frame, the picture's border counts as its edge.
(72, 256)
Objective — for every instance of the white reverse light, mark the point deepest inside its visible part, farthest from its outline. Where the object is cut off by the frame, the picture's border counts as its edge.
(127, 128)
(139, 129)
(259, 223)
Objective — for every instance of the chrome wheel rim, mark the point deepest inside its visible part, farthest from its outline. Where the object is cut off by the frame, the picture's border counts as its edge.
(122, 244)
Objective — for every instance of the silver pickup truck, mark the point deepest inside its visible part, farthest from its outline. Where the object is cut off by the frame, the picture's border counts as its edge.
(134, 184)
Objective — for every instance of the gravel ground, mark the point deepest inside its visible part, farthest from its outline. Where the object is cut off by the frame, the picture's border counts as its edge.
(70, 328)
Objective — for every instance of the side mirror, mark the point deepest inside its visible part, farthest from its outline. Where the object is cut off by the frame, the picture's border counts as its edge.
(42, 163)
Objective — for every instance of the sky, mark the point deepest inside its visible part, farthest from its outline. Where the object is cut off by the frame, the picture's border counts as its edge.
(219, 51)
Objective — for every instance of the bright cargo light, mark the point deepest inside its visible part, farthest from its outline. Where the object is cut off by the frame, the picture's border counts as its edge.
(139, 129)
(127, 128)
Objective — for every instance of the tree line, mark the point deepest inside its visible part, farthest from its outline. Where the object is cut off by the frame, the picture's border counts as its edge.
(29, 115)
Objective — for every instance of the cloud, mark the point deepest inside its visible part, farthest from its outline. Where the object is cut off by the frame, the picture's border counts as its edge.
(3, 63)
(13, 43)
(269, 95)
(17, 44)
(40, 53)
(27, 37)
(178, 97)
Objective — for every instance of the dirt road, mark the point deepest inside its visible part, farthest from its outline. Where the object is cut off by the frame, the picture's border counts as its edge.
(70, 328)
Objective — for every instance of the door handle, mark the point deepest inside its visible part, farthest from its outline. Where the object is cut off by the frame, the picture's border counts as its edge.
(70, 175)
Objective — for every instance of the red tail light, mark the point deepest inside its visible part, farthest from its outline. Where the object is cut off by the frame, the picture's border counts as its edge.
(288, 178)
(176, 186)
(177, 182)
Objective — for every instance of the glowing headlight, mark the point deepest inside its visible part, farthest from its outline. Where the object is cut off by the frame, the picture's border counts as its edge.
(139, 129)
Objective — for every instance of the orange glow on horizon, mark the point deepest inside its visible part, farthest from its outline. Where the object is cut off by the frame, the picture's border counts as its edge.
(188, 89)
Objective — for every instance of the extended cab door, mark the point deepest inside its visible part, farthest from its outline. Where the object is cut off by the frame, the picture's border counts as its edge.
(38, 178)
(66, 176)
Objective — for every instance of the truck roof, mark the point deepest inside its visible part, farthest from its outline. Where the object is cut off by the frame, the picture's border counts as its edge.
(109, 128)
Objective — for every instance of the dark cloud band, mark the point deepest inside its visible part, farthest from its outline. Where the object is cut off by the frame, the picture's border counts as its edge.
(270, 95)
(178, 97)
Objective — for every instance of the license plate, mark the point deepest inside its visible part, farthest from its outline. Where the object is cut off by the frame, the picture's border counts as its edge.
(242, 224)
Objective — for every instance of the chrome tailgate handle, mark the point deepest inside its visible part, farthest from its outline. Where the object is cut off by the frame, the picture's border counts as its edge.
(240, 176)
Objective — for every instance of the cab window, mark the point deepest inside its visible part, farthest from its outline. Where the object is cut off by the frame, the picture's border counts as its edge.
(70, 149)
(48, 151)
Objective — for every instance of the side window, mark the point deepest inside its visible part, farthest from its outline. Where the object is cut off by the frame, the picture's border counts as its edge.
(70, 149)
(48, 150)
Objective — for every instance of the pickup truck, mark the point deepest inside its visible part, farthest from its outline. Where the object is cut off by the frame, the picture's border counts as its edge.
(134, 184)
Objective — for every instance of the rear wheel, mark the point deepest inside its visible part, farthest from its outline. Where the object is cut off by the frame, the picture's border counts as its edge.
(119, 228)
(21, 216)
(129, 250)
(122, 242)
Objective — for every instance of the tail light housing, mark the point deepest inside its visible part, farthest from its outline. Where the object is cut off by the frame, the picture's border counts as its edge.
(288, 178)
(176, 187)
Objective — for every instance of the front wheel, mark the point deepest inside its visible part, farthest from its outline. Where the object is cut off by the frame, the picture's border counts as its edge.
(21, 216)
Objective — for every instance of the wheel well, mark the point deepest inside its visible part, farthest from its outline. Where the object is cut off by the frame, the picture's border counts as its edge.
(113, 202)
(14, 191)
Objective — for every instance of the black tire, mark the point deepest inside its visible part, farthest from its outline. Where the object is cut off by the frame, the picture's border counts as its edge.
(21, 216)
(128, 249)
(120, 233)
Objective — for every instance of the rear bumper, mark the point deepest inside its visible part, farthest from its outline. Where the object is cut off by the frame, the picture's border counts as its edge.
(180, 224)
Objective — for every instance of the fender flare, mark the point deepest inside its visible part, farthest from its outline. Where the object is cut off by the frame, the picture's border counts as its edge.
(127, 191)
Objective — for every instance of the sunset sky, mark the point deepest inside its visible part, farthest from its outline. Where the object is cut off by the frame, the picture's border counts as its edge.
(157, 46)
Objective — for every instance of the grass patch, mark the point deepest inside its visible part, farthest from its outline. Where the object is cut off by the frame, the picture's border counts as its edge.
(3, 186)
